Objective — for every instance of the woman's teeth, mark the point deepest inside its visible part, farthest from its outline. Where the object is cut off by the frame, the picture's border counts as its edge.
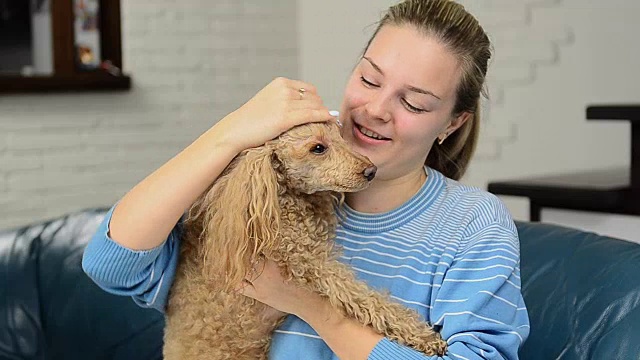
(370, 133)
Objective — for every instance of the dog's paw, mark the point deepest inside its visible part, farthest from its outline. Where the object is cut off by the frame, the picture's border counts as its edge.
(429, 343)
(436, 347)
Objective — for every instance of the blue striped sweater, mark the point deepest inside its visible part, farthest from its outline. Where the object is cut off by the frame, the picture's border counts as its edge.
(451, 253)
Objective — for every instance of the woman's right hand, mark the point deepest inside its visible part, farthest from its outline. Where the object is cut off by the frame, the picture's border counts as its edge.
(276, 108)
(147, 214)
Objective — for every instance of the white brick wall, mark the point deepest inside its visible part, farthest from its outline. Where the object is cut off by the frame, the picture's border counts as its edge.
(565, 57)
(192, 61)
(552, 58)
(521, 46)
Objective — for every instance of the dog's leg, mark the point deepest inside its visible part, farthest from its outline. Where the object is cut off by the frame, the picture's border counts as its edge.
(393, 320)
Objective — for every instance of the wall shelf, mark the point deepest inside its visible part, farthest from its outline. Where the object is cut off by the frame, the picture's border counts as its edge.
(66, 76)
(63, 83)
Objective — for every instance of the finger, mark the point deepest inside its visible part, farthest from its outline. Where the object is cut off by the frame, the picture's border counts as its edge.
(243, 286)
(311, 102)
(301, 93)
(257, 268)
(293, 87)
(308, 88)
(303, 116)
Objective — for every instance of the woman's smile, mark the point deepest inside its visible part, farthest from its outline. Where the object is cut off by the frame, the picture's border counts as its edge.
(368, 136)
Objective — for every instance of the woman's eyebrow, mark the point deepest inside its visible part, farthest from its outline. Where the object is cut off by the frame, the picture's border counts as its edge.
(375, 66)
(422, 91)
(411, 88)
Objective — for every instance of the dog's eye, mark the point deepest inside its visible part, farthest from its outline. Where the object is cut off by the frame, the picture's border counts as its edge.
(318, 149)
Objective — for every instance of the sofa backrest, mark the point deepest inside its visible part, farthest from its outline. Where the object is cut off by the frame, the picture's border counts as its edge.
(55, 311)
(582, 292)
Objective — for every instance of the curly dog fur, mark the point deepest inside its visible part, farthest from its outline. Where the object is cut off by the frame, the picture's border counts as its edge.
(278, 201)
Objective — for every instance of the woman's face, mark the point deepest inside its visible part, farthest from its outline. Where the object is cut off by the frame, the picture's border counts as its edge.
(399, 99)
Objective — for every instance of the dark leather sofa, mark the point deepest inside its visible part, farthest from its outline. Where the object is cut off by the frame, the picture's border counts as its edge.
(582, 291)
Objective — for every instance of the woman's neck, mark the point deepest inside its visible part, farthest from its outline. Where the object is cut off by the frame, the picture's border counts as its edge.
(385, 195)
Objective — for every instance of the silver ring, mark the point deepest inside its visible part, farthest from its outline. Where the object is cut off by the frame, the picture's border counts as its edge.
(301, 91)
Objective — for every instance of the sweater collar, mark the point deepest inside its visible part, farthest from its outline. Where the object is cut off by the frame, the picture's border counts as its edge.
(361, 222)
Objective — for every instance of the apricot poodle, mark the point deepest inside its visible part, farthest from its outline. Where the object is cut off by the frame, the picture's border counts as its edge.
(277, 201)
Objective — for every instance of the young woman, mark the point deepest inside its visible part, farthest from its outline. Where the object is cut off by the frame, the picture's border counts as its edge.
(449, 251)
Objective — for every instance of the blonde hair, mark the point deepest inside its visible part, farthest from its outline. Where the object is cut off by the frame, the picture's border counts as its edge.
(455, 28)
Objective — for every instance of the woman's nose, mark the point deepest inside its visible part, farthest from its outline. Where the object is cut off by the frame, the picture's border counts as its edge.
(378, 106)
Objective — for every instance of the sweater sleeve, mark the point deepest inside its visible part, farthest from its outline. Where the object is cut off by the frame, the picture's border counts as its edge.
(479, 306)
(145, 275)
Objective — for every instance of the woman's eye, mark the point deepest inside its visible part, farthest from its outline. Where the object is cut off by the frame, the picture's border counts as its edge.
(413, 108)
(318, 149)
(367, 82)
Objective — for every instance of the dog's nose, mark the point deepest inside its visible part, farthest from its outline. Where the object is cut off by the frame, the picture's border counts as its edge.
(370, 172)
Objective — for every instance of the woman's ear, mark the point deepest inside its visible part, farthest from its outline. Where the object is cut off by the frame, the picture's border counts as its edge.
(458, 121)
(243, 219)
(454, 125)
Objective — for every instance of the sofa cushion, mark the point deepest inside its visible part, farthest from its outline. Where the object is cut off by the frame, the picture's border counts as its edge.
(21, 333)
(582, 292)
(55, 311)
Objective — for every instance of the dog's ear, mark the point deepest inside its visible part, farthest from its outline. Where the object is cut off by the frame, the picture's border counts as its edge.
(246, 219)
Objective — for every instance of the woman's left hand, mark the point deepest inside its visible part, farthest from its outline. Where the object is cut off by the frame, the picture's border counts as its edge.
(346, 337)
(268, 286)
